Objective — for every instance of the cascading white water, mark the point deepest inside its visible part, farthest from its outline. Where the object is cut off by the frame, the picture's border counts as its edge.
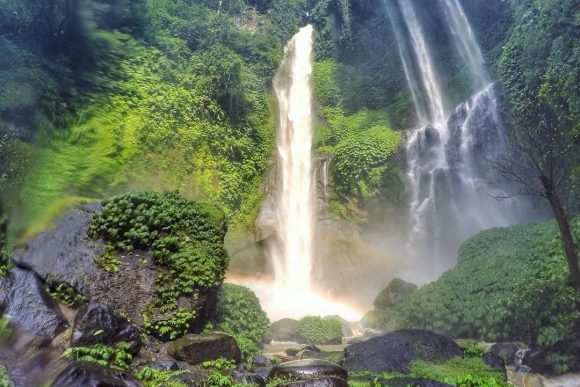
(296, 203)
(450, 184)
(465, 42)
(424, 60)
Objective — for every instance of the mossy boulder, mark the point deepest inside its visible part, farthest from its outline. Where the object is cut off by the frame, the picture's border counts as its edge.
(196, 349)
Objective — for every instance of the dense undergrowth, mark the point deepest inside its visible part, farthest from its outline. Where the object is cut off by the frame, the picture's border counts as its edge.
(508, 284)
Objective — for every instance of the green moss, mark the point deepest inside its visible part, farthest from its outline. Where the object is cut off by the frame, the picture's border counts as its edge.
(185, 240)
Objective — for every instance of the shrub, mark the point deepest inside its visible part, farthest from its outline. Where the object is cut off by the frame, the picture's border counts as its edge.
(320, 331)
(103, 355)
(503, 277)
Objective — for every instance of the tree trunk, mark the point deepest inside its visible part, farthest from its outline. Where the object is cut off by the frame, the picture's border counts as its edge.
(567, 239)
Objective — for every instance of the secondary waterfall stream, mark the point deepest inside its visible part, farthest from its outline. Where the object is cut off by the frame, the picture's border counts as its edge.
(450, 183)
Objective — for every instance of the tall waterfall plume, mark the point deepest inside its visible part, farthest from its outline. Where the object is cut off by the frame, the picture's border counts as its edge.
(296, 201)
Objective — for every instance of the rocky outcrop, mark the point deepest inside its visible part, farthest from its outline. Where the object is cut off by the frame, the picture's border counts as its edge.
(394, 352)
(92, 375)
(97, 323)
(30, 308)
(195, 349)
(535, 359)
(64, 254)
(315, 373)
(286, 330)
(506, 351)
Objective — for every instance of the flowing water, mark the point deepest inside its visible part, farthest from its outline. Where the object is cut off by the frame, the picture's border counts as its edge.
(450, 182)
(296, 200)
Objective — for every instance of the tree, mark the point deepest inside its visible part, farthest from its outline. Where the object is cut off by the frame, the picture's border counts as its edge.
(540, 72)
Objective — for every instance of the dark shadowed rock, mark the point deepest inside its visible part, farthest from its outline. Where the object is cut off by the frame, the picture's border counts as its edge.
(321, 382)
(97, 323)
(507, 351)
(195, 349)
(536, 360)
(92, 375)
(286, 330)
(164, 365)
(261, 361)
(30, 308)
(190, 379)
(494, 361)
(64, 254)
(308, 370)
(394, 352)
(248, 378)
(411, 382)
(395, 291)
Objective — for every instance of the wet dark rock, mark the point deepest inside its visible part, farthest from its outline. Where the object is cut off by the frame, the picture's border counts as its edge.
(507, 351)
(394, 352)
(320, 382)
(261, 361)
(195, 349)
(286, 330)
(395, 291)
(164, 365)
(494, 361)
(308, 370)
(411, 382)
(523, 370)
(249, 378)
(292, 351)
(92, 375)
(30, 308)
(64, 254)
(97, 323)
(190, 379)
(536, 360)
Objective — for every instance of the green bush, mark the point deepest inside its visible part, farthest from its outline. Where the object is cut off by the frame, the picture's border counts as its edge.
(503, 277)
(320, 331)
(185, 240)
(238, 312)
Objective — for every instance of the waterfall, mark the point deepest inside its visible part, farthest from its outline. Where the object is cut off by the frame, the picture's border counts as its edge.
(450, 184)
(465, 42)
(295, 202)
(425, 62)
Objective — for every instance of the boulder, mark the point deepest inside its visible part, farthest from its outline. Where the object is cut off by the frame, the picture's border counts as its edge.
(494, 361)
(536, 360)
(92, 375)
(189, 379)
(195, 349)
(394, 352)
(97, 323)
(286, 330)
(64, 254)
(395, 291)
(411, 382)
(248, 379)
(507, 351)
(308, 370)
(320, 382)
(261, 361)
(30, 308)
(164, 365)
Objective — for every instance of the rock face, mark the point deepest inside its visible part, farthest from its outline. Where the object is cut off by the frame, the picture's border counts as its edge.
(92, 375)
(97, 323)
(394, 352)
(316, 372)
(64, 254)
(494, 361)
(286, 330)
(507, 351)
(195, 349)
(30, 308)
(536, 360)
(395, 291)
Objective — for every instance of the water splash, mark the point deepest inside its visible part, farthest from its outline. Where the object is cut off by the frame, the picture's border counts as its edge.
(296, 200)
